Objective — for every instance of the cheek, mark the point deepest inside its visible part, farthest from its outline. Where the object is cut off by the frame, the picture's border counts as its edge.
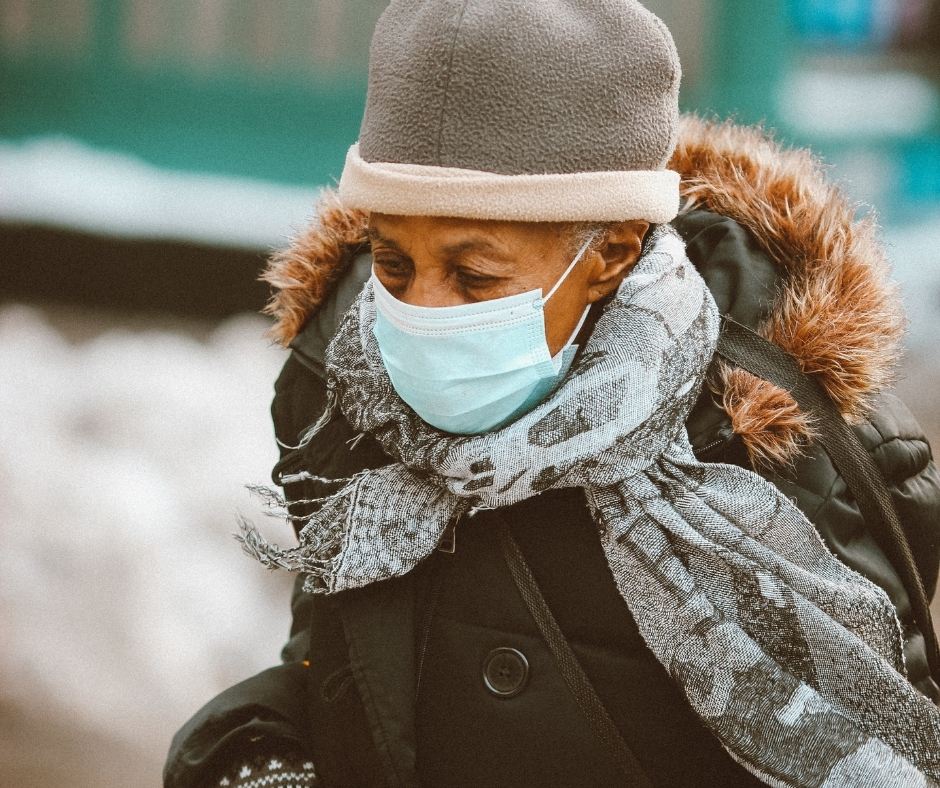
(563, 313)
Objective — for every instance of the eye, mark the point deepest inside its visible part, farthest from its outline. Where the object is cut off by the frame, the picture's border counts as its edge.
(393, 266)
(472, 280)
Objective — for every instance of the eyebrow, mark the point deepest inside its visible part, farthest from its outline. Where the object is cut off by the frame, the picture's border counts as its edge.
(453, 252)
(375, 235)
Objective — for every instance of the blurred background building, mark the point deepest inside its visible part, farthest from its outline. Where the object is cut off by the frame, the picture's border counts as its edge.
(213, 121)
(152, 153)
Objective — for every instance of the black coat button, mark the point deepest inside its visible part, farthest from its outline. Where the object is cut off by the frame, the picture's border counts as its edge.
(505, 672)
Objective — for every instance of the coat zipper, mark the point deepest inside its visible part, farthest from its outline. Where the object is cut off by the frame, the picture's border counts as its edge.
(713, 444)
(436, 583)
(448, 543)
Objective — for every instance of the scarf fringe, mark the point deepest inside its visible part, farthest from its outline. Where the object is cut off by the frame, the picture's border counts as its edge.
(332, 405)
(268, 555)
(319, 551)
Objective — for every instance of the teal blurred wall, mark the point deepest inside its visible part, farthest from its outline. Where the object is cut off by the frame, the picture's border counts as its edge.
(855, 80)
(274, 89)
(271, 89)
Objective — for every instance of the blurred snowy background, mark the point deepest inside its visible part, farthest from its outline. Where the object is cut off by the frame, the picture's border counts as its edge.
(124, 451)
(152, 152)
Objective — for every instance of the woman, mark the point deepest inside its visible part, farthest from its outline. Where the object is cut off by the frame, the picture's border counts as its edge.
(533, 544)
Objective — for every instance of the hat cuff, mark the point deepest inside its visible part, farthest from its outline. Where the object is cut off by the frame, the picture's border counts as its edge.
(421, 190)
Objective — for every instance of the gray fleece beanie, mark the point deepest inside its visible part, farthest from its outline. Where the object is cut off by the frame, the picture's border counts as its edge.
(526, 110)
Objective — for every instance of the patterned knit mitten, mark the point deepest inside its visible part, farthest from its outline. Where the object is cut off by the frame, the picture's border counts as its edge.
(269, 771)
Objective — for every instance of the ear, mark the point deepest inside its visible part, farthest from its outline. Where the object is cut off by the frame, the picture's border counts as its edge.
(615, 257)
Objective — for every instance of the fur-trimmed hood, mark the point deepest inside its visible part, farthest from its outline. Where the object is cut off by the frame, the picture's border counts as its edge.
(836, 311)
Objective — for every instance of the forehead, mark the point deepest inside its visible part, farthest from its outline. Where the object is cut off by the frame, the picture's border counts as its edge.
(433, 234)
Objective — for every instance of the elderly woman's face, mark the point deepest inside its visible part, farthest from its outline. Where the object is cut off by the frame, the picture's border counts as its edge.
(434, 262)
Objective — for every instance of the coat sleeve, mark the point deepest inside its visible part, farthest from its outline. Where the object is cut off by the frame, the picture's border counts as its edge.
(266, 713)
(276, 708)
(900, 449)
(903, 455)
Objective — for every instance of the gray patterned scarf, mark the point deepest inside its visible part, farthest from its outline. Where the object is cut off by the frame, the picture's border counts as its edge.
(793, 660)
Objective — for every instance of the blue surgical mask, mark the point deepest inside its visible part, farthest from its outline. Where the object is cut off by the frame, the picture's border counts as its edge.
(472, 368)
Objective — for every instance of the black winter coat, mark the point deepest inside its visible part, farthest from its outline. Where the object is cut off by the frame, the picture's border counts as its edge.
(385, 685)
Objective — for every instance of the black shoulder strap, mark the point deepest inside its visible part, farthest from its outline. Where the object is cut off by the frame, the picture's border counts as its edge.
(575, 678)
(746, 349)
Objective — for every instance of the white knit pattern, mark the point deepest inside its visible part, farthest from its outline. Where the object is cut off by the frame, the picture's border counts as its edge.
(272, 772)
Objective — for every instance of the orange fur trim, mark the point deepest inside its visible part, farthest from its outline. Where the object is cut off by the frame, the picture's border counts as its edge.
(305, 273)
(766, 417)
(838, 314)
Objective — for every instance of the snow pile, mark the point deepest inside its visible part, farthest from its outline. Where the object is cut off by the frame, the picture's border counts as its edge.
(62, 182)
(124, 601)
(822, 104)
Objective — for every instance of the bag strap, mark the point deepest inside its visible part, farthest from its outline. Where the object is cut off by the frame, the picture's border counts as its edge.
(577, 680)
(746, 349)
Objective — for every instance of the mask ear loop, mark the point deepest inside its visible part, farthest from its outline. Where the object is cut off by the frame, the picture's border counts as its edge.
(541, 302)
